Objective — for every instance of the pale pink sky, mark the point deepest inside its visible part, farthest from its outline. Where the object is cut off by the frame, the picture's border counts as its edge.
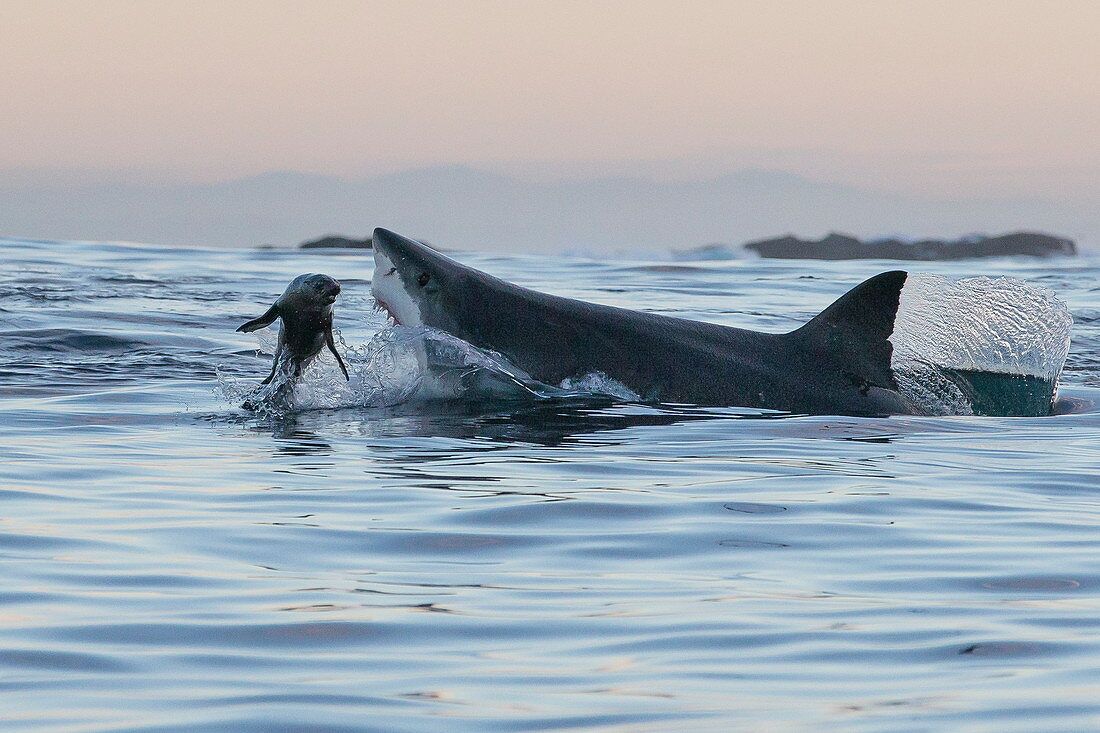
(942, 96)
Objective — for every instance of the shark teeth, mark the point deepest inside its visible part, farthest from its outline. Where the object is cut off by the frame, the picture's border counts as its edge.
(380, 306)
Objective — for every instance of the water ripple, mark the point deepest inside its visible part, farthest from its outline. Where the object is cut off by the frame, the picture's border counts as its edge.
(576, 564)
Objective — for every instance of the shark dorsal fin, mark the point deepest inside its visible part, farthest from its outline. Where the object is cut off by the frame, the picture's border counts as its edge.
(858, 326)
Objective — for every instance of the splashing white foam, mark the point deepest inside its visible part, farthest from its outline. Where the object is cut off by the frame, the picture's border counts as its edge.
(598, 383)
(980, 324)
(405, 364)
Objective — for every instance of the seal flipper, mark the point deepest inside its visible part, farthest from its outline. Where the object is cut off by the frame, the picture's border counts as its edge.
(849, 344)
(274, 363)
(332, 347)
(262, 322)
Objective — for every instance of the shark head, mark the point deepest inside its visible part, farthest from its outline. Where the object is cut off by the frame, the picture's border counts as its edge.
(413, 283)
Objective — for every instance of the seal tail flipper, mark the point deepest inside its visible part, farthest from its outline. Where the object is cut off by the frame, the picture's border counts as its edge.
(854, 332)
(269, 376)
(332, 347)
(274, 364)
(262, 322)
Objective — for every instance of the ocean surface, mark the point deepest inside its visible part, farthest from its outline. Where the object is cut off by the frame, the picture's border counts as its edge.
(367, 560)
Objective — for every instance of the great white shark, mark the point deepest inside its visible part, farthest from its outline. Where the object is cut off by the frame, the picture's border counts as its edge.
(839, 362)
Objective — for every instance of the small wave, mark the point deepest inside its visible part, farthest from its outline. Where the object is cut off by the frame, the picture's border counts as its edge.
(403, 364)
(125, 279)
(663, 268)
(66, 340)
(38, 293)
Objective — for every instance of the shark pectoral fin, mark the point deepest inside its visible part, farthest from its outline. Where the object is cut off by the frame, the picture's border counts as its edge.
(332, 347)
(262, 322)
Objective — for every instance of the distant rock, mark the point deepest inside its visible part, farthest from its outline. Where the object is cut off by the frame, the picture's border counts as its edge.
(334, 241)
(844, 247)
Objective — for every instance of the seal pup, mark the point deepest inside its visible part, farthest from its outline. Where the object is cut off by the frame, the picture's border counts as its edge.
(837, 363)
(305, 308)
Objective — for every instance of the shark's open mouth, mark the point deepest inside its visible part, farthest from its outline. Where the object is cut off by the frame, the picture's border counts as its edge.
(383, 307)
(390, 294)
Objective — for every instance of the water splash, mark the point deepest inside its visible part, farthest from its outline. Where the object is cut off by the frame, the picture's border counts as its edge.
(990, 326)
(598, 383)
(404, 364)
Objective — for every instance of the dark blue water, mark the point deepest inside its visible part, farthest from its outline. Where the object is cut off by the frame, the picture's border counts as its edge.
(170, 562)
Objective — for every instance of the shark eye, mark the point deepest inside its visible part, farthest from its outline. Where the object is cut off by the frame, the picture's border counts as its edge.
(423, 279)
(392, 270)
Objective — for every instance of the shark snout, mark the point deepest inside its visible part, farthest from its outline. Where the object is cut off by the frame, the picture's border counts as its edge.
(386, 242)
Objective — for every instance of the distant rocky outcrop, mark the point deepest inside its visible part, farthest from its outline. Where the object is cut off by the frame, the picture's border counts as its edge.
(843, 247)
(334, 241)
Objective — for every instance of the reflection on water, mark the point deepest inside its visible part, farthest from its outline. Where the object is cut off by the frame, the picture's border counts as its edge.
(567, 564)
